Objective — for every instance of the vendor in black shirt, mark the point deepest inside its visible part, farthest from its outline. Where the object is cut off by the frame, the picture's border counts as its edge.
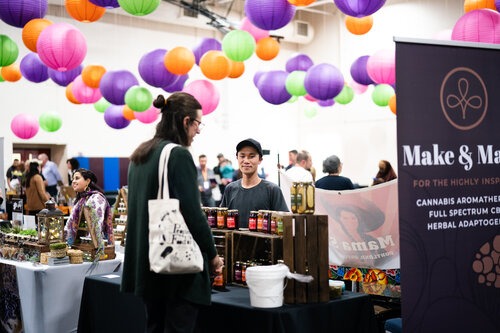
(251, 192)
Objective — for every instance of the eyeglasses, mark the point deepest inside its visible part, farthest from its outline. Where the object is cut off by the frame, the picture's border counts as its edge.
(200, 124)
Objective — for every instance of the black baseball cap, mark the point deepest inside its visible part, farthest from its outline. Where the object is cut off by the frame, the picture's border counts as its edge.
(250, 143)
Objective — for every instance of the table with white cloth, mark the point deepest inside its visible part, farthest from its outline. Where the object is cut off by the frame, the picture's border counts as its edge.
(49, 296)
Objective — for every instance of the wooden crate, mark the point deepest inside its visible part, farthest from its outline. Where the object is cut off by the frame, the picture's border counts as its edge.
(222, 239)
(305, 251)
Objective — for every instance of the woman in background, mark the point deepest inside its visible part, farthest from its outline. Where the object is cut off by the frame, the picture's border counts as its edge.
(385, 173)
(36, 196)
(72, 164)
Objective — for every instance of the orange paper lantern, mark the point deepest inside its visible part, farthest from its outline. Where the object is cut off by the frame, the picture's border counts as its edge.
(92, 74)
(215, 65)
(301, 3)
(392, 103)
(359, 26)
(128, 113)
(267, 48)
(69, 94)
(84, 10)
(179, 60)
(32, 30)
(470, 5)
(11, 73)
(236, 69)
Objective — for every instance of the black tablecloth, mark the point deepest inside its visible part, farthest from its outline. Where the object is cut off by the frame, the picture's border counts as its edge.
(105, 309)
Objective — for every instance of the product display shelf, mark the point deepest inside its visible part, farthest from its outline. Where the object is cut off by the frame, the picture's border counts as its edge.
(120, 211)
(223, 239)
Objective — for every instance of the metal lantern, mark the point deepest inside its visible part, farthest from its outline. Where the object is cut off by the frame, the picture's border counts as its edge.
(50, 224)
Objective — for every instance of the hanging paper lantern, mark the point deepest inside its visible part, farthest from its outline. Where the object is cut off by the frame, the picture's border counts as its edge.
(295, 83)
(358, 88)
(24, 126)
(11, 73)
(359, 26)
(293, 99)
(153, 71)
(206, 93)
(1, 78)
(138, 98)
(359, 8)
(298, 62)
(326, 103)
(381, 66)
(92, 74)
(148, 116)
(69, 94)
(114, 85)
(381, 94)
(470, 5)
(214, 65)
(8, 51)
(64, 78)
(358, 71)
(310, 111)
(497, 5)
(33, 69)
(269, 15)
(481, 25)
(272, 87)
(61, 46)
(205, 45)
(50, 121)
(19, 12)
(267, 48)
(301, 3)
(32, 30)
(345, 96)
(113, 116)
(392, 103)
(179, 60)
(83, 93)
(139, 7)
(101, 105)
(256, 32)
(106, 3)
(256, 77)
(128, 113)
(323, 81)
(310, 98)
(236, 69)
(178, 84)
(84, 10)
(238, 45)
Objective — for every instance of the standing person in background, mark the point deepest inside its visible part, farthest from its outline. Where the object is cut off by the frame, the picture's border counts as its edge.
(251, 192)
(300, 171)
(333, 181)
(172, 302)
(14, 175)
(51, 174)
(385, 173)
(292, 159)
(72, 165)
(206, 182)
(36, 196)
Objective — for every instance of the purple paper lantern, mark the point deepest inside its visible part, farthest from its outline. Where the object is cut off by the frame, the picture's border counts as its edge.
(106, 3)
(24, 126)
(153, 71)
(113, 116)
(256, 77)
(326, 103)
(33, 69)
(358, 71)
(298, 62)
(64, 78)
(178, 84)
(481, 25)
(19, 12)
(272, 87)
(269, 14)
(497, 5)
(114, 85)
(323, 81)
(359, 8)
(205, 45)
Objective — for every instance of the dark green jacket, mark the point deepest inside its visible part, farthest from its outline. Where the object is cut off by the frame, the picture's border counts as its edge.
(142, 186)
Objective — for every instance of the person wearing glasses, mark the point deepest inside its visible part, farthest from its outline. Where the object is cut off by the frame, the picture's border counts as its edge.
(172, 302)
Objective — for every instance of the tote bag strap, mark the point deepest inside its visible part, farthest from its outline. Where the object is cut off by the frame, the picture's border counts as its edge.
(163, 171)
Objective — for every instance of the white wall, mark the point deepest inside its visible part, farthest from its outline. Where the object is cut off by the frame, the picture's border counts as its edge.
(361, 133)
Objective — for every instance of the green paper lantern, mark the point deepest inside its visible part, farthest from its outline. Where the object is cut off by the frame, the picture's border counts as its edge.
(139, 7)
(101, 105)
(345, 96)
(1, 78)
(382, 93)
(8, 51)
(293, 99)
(138, 98)
(238, 45)
(294, 83)
(50, 121)
(311, 111)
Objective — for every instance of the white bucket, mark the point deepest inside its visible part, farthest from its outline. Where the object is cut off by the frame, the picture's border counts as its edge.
(266, 284)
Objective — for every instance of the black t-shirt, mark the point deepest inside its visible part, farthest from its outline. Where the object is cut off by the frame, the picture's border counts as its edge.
(338, 183)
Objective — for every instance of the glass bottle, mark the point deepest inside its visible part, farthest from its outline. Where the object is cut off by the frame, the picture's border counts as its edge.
(301, 198)
(252, 220)
(309, 198)
(293, 197)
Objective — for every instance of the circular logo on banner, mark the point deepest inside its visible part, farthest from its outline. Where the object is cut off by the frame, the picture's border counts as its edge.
(464, 98)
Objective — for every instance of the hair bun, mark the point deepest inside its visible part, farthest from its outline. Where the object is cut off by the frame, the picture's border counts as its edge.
(159, 102)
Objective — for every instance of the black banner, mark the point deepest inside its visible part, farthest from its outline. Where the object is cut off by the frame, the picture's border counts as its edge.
(448, 124)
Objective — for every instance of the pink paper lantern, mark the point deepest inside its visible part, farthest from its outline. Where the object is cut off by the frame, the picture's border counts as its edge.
(148, 116)
(381, 66)
(83, 93)
(61, 46)
(256, 32)
(206, 93)
(24, 126)
(358, 88)
(481, 25)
